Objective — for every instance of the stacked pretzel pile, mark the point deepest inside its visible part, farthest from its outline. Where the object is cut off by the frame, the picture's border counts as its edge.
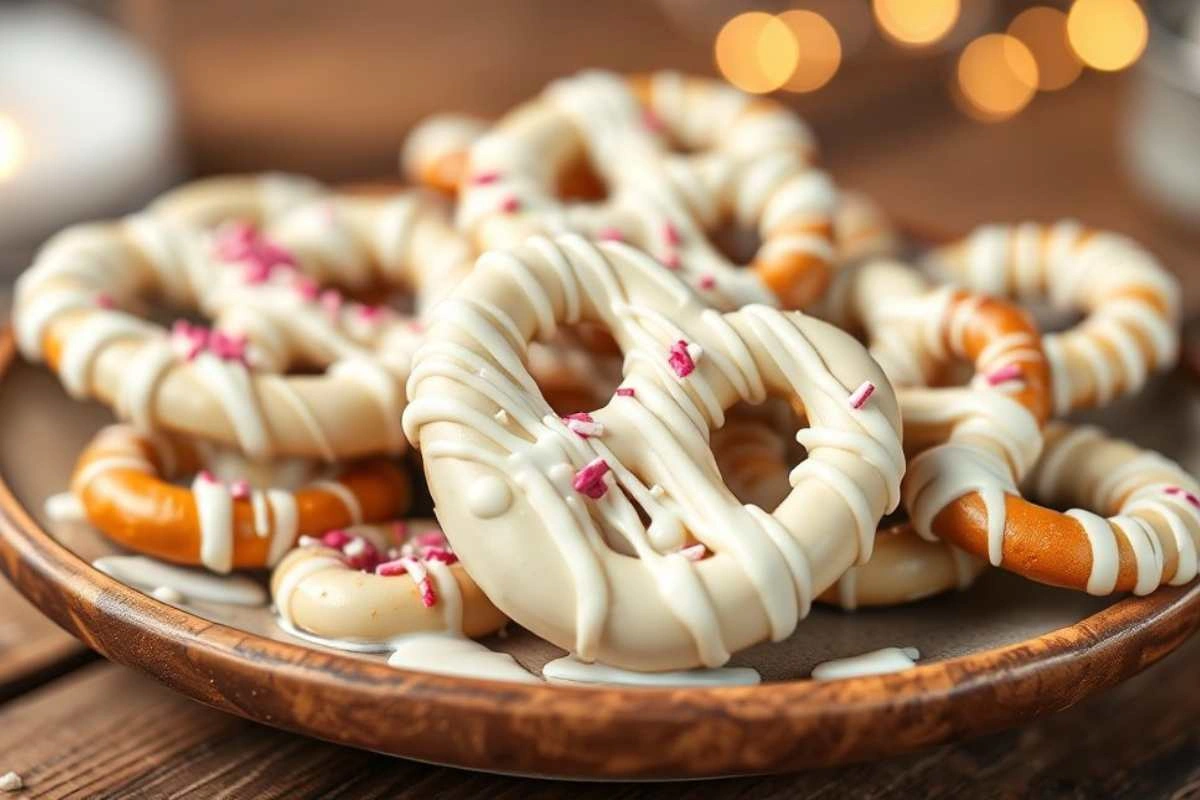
(643, 444)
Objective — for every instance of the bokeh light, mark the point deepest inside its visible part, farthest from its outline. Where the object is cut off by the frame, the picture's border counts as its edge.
(915, 23)
(12, 147)
(1044, 31)
(1107, 34)
(997, 76)
(756, 52)
(819, 50)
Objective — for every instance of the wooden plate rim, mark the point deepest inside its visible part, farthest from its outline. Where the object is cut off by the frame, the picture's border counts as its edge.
(576, 731)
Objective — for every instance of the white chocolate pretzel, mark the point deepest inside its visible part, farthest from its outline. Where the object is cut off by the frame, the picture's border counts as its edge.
(1130, 303)
(80, 305)
(750, 165)
(615, 537)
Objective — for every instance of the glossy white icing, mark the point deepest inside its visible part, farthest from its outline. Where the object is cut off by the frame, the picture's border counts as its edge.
(877, 662)
(569, 669)
(456, 655)
(150, 575)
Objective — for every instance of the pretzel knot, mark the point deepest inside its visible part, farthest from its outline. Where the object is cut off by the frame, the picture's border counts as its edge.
(747, 162)
(123, 479)
(250, 254)
(624, 544)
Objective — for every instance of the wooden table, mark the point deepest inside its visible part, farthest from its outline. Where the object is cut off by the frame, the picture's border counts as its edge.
(75, 726)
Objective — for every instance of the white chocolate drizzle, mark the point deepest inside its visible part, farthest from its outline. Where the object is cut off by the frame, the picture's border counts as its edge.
(569, 669)
(877, 662)
(150, 575)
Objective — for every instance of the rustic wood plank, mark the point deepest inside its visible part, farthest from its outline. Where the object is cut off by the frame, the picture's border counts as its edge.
(106, 731)
(32, 648)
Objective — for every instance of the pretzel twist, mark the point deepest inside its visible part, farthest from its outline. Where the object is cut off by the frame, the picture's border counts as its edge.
(122, 479)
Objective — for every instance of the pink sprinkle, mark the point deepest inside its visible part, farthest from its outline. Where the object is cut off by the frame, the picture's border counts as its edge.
(582, 424)
(672, 261)
(428, 596)
(234, 241)
(862, 394)
(610, 235)
(307, 287)
(590, 480)
(227, 346)
(371, 314)
(707, 282)
(105, 300)
(440, 554)
(187, 339)
(390, 569)
(510, 204)
(652, 121)
(1185, 494)
(693, 552)
(240, 489)
(206, 477)
(681, 360)
(1009, 372)
(361, 554)
(484, 178)
(243, 242)
(625, 391)
(671, 235)
(331, 301)
(431, 539)
(336, 539)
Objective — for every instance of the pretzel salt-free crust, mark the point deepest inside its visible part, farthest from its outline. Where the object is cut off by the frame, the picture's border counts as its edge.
(1129, 302)
(749, 163)
(80, 308)
(122, 479)
(546, 512)
(368, 585)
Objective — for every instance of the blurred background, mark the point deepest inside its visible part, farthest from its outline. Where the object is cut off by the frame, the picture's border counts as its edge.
(950, 112)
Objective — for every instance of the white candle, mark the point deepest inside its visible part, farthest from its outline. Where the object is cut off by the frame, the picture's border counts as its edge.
(86, 125)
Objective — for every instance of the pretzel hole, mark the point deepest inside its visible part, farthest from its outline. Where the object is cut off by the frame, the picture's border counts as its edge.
(737, 243)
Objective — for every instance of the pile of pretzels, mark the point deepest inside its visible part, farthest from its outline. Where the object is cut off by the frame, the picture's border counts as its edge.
(665, 381)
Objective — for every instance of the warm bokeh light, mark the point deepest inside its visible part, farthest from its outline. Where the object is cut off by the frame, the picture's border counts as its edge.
(12, 147)
(915, 22)
(1044, 31)
(820, 51)
(997, 77)
(1107, 34)
(756, 52)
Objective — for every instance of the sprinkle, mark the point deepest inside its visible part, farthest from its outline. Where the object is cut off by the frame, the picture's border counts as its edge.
(337, 539)
(227, 346)
(370, 314)
(1177, 491)
(243, 243)
(652, 121)
(188, 340)
(331, 301)
(862, 394)
(671, 235)
(240, 489)
(206, 477)
(484, 178)
(390, 569)
(510, 204)
(309, 541)
(589, 481)
(501, 416)
(361, 554)
(420, 576)
(233, 241)
(693, 552)
(11, 782)
(440, 554)
(432, 538)
(625, 391)
(682, 358)
(1009, 372)
(657, 491)
(582, 424)
(428, 596)
(105, 300)
(672, 261)
(707, 282)
(610, 235)
(306, 287)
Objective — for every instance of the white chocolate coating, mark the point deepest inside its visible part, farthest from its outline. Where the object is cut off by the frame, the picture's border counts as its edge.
(877, 662)
(650, 610)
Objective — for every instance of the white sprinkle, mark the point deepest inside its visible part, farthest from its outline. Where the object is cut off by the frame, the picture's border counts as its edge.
(695, 351)
(585, 428)
(11, 782)
(309, 541)
(355, 547)
(862, 394)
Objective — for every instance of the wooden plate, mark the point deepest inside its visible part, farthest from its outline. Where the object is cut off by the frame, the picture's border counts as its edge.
(997, 655)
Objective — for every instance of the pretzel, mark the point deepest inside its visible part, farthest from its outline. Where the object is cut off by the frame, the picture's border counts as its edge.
(122, 480)
(544, 511)
(903, 567)
(366, 586)
(862, 230)
(435, 151)
(78, 307)
(750, 164)
(1131, 304)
